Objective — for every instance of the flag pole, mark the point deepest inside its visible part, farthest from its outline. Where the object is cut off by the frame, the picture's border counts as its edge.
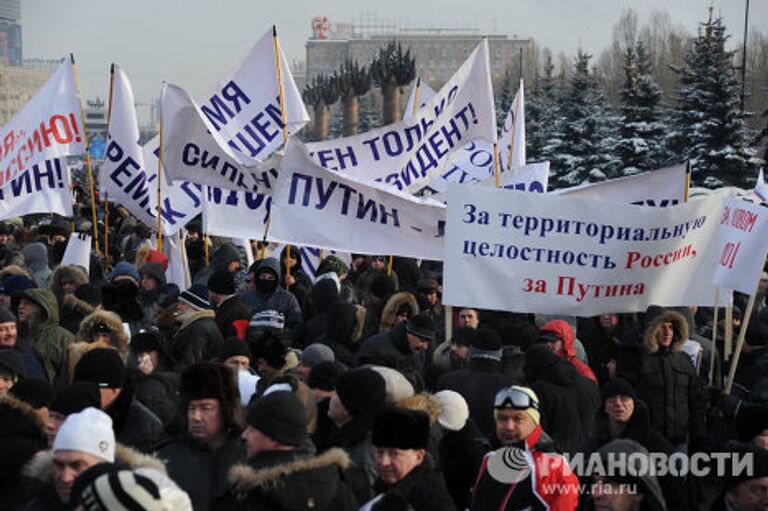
(514, 127)
(496, 164)
(205, 247)
(87, 157)
(713, 350)
(740, 340)
(159, 179)
(106, 194)
(416, 95)
(283, 118)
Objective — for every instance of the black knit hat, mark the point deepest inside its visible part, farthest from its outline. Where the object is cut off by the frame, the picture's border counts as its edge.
(421, 326)
(34, 392)
(281, 416)
(400, 428)
(12, 362)
(89, 293)
(208, 380)
(618, 387)
(103, 366)
(6, 316)
(155, 271)
(234, 347)
(76, 397)
(222, 282)
(486, 344)
(362, 392)
(324, 376)
(382, 285)
(145, 340)
(464, 335)
(196, 296)
(750, 422)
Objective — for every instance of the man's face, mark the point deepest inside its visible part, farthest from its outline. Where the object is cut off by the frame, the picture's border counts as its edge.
(378, 264)
(609, 496)
(337, 412)
(459, 352)
(3, 239)
(513, 425)
(8, 334)
(762, 287)
(555, 345)
(233, 266)
(101, 337)
(393, 465)
(68, 287)
(67, 465)
(303, 371)
(52, 425)
(5, 300)
(26, 309)
(430, 295)
(665, 334)
(204, 419)
(256, 441)
(148, 283)
(6, 382)
(761, 440)
(417, 343)
(238, 363)
(751, 495)
(620, 408)
(468, 317)
(609, 321)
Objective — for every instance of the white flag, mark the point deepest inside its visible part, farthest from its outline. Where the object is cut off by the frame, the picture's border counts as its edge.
(761, 188)
(513, 134)
(421, 93)
(48, 127)
(316, 207)
(41, 188)
(412, 152)
(193, 151)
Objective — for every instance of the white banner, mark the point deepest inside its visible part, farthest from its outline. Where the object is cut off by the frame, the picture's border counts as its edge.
(411, 153)
(129, 172)
(533, 177)
(658, 188)
(178, 267)
(743, 244)
(316, 207)
(78, 251)
(41, 188)
(48, 127)
(237, 214)
(576, 256)
(190, 153)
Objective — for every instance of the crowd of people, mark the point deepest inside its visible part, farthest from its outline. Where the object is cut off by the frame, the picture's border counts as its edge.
(260, 387)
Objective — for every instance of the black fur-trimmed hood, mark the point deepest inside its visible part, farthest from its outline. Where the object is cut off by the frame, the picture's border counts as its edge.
(396, 301)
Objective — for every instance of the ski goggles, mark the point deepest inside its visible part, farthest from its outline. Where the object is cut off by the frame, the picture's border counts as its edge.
(512, 397)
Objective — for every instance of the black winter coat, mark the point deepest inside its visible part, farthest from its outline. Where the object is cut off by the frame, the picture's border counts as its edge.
(423, 488)
(198, 340)
(290, 480)
(201, 472)
(478, 385)
(389, 349)
(461, 455)
(134, 424)
(355, 438)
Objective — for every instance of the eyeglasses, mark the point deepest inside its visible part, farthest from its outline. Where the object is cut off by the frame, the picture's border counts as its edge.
(514, 398)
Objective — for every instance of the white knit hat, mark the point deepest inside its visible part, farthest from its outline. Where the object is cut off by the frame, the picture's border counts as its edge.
(89, 431)
(455, 411)
(396, 385)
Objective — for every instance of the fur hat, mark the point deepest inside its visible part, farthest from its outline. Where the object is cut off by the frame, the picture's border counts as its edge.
(103, 366)
(382, 285)
(222, 282)
(281, 416)
(273, 348)
(208, 380)
(362, 392)
(146, 339)
(401, 429)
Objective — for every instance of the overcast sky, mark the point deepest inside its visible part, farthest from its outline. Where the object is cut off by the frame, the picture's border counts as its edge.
(192, 43)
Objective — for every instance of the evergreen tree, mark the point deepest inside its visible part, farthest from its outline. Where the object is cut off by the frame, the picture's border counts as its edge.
(640, 148)
(711, 130)
(583, 153)
(541, 115)
(505, 99)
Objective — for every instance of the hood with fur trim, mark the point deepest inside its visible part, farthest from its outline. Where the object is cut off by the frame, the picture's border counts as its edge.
(423, 402)
(113, 322)
(244, 478)
(67, 272)
(13, 269)
(396, 301)
(679, 325)
(41, 467)
(75, 304)
(563, 331)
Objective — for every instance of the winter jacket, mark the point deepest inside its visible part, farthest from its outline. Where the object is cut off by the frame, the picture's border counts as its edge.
(549, 484)
(134, 424)
(355, 438)
(666, 381)
(290, 480)
(220, 259)
(197, 340)
(228, 311)
(45, 334)
(478, 385)
(461, 456)
(199, 470)
(389, 349)
(280, 300)
(157, 391)
(564, 331)
(567, 400)
(40, 470)
(36, 258)
(422, 488)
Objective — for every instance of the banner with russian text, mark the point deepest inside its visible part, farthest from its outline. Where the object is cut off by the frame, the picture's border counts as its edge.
(48, 127)
(126, 176)
(316, 207)
(533, 177)
(507, 250)
(237, 214)
(40, 188)
(742, 245)
(411, 153)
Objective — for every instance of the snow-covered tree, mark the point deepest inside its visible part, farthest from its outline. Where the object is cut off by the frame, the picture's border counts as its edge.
(710, 129)
(640, 147)
(505, 98)
(584, 150)
(541, 114)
